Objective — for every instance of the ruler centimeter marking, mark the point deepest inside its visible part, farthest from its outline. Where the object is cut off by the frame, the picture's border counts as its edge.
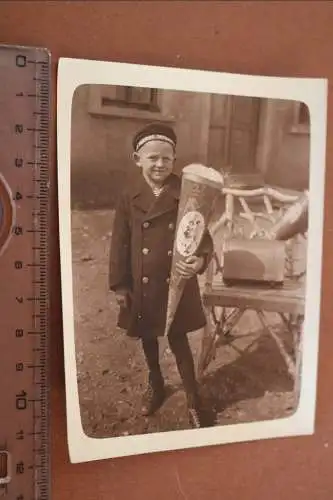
(24, 359)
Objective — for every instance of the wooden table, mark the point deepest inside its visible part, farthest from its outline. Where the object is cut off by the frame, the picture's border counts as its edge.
(286, 301)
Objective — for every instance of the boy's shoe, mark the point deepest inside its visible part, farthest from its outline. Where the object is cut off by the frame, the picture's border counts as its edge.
(153, 398)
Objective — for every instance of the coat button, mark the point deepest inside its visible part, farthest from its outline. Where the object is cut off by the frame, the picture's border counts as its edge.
(169, 253)
(145, 251)
(145, 280)
(168, 280)
(139, 316)
(171, 225)
(146, 224)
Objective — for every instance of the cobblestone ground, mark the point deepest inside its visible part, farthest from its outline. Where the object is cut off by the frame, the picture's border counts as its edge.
(247, 381)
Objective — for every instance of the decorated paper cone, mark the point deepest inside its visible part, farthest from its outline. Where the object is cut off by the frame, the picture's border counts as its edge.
(200, 187)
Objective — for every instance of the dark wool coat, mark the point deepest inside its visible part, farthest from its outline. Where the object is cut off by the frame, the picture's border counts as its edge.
(140, 261)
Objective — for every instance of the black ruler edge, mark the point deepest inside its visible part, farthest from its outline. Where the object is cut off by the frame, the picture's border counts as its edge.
(45, 217)
(45, 207)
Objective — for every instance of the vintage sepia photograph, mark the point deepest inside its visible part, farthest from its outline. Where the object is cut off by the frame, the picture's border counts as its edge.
(189, 213)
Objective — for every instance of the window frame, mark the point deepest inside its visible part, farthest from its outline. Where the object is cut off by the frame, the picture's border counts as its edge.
(98, 93)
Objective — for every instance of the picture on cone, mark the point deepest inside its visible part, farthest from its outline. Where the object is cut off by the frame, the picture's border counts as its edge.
(189, 233)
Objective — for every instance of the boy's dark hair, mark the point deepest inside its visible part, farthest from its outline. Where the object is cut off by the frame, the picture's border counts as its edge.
(154, 131)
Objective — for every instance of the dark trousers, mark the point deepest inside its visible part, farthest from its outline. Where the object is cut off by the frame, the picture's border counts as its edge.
(180, 348)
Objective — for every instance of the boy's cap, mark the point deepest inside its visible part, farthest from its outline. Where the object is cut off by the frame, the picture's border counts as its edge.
(154, 132)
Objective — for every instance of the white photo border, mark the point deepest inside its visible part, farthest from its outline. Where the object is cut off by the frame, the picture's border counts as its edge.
(73, 73)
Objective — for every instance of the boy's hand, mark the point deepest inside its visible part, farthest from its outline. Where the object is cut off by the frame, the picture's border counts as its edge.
(190, 267)
(122, 298)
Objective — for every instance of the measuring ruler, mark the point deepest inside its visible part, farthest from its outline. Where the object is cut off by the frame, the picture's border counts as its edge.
(24, 209)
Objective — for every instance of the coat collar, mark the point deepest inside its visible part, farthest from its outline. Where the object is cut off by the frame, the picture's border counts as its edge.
(144, 199)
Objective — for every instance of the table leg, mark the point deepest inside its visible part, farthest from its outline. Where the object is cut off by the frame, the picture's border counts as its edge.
(232, 320)
(215, 334)
(297, 328)
(288, 360)
(210, 336)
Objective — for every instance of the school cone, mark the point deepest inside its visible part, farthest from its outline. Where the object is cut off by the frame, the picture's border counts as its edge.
(200, 188)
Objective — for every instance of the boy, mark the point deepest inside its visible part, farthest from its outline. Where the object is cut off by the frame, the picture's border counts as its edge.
(140, 263)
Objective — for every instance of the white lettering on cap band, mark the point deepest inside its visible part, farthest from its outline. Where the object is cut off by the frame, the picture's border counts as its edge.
(154, 137)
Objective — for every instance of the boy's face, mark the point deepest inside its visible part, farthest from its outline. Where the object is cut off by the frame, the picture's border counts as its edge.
(156, 158)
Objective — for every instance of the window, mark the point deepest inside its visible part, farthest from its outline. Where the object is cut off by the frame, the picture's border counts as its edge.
(134, 97)
(301, 119)
(127, 102)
